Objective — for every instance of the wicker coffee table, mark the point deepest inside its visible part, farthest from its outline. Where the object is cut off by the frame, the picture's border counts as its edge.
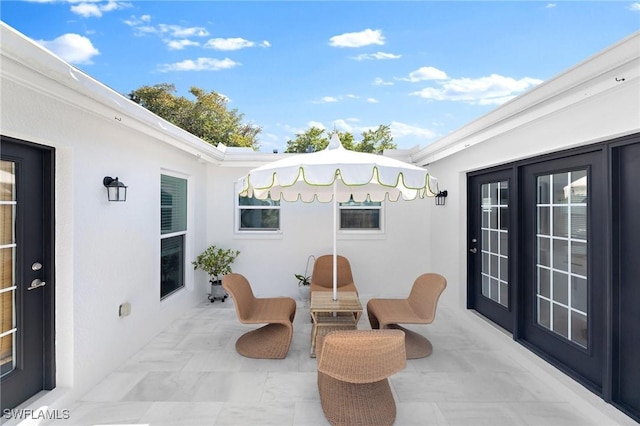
(330, 315)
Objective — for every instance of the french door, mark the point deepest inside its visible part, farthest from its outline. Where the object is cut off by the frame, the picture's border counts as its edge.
(489, 286)
(26, 287)
(562, 261)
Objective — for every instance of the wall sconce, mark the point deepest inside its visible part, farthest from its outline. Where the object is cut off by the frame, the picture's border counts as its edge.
(440, 197)
(116, 190)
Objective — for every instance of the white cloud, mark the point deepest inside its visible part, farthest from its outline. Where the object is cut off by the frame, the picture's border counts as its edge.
(317, 124)
(635, 7)
(200, 64)
(73, 48)
(228, 43)
(135, 21)
(358, 39)
(181, 44)
(180, 31)
(492, 90)
(380, 82)
(376, 56)
(425, 73)
(326, 100)
(96, 9)
(550, 5)
(372, 100)
(399, 130)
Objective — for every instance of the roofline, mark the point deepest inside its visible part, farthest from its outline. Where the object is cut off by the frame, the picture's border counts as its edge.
(548, 97)
(105, 102)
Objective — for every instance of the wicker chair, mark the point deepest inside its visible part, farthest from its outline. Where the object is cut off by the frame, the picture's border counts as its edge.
(272, 340)
(418, 308)
(322, 276)
(353, 371)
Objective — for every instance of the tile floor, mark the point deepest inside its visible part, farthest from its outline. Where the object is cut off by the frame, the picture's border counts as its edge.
(190, 374)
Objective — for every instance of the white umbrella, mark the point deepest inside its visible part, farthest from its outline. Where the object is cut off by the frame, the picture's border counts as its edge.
(337, 174)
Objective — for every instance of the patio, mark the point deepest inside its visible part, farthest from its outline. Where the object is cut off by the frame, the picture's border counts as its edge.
(190, 374)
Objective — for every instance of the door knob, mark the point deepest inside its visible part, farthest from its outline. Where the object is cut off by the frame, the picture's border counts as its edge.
(473, 250)
(36, 283)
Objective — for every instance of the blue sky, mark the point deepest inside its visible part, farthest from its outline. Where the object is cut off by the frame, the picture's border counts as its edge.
(425, 68)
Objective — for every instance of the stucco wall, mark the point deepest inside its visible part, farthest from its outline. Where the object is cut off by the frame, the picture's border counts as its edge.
(382, 265)
(106, 253)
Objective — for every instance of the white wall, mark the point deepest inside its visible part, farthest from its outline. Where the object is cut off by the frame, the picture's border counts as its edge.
(383, 265)
(106, 253)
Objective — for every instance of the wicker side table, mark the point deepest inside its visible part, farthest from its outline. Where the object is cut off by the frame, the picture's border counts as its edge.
(326, 322)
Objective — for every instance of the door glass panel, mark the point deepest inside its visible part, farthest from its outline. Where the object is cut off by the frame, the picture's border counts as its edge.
(7, 261)
(495, 235)
(561, 247)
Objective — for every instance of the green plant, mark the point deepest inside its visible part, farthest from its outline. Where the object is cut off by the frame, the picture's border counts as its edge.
(305, 279)
(216, 261)
(302, 280)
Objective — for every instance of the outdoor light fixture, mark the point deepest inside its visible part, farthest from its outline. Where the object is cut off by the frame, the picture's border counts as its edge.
(116, 190)
(440, 197)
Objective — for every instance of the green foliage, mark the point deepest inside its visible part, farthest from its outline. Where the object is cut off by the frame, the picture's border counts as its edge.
(302, 280)
(216, 261)
(206, 117)
(316, 139)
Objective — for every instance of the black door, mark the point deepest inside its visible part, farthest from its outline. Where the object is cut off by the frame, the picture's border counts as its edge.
(562, 260)
(626, 197)
(26, 308)
(489, 286)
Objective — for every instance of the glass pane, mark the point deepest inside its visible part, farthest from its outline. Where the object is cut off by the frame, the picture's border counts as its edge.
(485, 240)
(171, 264)
(579, 222)
(503, 217)
(485, 217)
(7, 181)
(493, 193)
(7, 357)
(579, 328)
(560, 255)
(561, 320)
(578, 192)
(494, 242)
(561, 221)
(494, 266)
(504, 269)
(561, 288)
(7, 217)
(504, 193)
(544, 313)
(484, 189)
(579, 294)
(504, 243)
(250, 201)
(544, 221)
(494, 289)
(579, 258)
(173, 204)
(544, 251)
(359, 219)
(544, 183)
(6, 261)
(260, 219)
(561, 189)
(485, 286)
(544, 282)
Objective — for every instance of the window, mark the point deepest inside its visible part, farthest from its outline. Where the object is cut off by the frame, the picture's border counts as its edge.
(258, 215)
(365, 215)
(173, 230)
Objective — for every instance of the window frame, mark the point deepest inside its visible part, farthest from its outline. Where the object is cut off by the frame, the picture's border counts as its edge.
(362, 231)
(255, 231)
(185, 233)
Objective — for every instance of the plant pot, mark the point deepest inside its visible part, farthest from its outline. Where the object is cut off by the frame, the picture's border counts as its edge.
(304, 291)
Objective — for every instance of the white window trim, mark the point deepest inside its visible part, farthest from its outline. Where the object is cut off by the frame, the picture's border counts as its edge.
(254, 233)
(355, 233)
(188, 240)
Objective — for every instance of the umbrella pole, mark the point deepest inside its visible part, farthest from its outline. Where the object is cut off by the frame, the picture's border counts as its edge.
(335, 241)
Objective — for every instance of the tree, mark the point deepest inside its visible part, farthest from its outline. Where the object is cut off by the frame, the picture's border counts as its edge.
(206, 117)
(315, 139)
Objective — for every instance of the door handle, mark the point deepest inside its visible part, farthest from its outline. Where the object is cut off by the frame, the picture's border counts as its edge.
(36, 283)
(473, 250)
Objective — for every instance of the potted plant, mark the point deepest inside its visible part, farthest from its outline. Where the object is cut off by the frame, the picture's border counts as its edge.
(216, 262)
(304, 281)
